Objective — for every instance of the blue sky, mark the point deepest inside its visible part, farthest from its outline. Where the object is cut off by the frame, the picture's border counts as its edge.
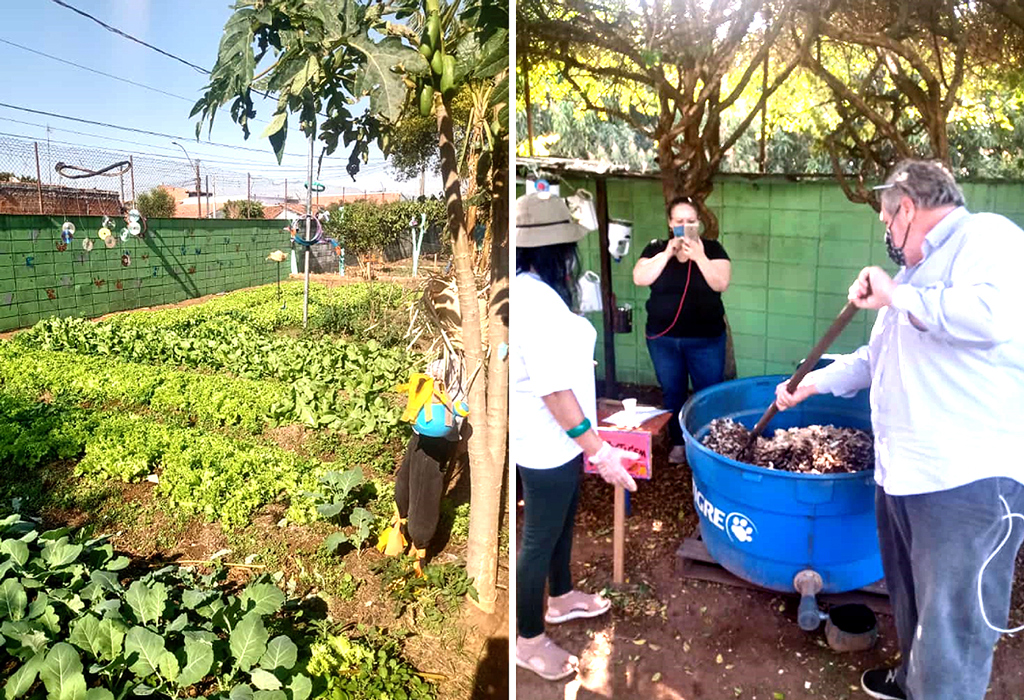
(190, 29)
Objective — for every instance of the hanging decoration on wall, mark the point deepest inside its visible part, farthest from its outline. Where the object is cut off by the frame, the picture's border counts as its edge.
(30, 262)
(110, 241)
(68, 228)
(126, 260)
(51, 295)
(8, 298)
(61, 246)
(87, 243)
(119, 285)
(135, 228)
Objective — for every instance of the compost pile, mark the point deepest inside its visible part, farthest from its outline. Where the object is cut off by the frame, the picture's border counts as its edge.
(815, 449)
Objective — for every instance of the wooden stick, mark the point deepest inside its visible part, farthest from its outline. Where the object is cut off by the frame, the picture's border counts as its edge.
(225, 563)
(842, 320)
(619, 537)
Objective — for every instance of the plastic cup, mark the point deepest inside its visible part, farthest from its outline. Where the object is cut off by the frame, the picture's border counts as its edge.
(630, 406)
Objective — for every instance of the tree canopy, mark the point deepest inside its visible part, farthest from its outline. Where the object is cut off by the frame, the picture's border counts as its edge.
(845, 88)
(158, 203)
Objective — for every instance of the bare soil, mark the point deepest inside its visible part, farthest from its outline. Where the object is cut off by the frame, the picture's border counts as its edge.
(672, 638)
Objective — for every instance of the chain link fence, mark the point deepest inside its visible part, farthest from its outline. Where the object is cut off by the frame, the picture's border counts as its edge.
(56, 178)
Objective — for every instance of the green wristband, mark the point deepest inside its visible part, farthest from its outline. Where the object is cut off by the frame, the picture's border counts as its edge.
(579, 429)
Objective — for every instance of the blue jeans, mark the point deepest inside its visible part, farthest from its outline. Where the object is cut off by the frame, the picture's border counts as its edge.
(677, 361)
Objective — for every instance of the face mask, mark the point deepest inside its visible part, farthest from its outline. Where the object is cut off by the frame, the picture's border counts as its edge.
(896, 254)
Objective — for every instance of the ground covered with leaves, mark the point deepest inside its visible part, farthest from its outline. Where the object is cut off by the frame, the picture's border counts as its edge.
(190, 499)
(812, 449)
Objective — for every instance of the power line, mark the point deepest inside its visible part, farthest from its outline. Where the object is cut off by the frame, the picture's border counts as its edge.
(117, 31)
(137, 131)
(99, 72)
(368, 169)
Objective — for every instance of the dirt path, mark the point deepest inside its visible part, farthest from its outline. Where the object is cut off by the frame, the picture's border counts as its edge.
(670, 638)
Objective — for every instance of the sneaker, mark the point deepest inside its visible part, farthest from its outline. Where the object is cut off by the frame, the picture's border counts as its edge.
(677, 455)
(881, 683)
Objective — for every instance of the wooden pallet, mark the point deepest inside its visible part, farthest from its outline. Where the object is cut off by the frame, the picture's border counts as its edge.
(694, 561)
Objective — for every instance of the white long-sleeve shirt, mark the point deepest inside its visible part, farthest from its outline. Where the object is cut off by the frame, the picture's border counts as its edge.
(947, 403)
(552, 349)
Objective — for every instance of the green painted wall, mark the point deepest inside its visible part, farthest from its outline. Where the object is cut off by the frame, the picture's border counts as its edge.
(795, 249)
(178, 259)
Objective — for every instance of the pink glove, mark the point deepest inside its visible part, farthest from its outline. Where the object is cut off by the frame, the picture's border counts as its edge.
(612, 463)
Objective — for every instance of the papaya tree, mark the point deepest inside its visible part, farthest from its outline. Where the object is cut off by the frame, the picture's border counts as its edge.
(346, 71)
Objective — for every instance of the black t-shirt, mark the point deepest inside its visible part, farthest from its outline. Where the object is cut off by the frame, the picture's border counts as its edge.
(702, 315)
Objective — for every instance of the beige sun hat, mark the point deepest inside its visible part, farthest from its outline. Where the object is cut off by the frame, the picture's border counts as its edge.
(543, 219)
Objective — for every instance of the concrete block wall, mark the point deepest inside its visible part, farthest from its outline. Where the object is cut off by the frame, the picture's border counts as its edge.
(178, 259)
(795, 249)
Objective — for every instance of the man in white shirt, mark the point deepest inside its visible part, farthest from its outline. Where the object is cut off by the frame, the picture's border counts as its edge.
(945, 364)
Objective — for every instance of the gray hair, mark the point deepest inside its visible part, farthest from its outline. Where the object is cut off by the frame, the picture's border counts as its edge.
(928, 183)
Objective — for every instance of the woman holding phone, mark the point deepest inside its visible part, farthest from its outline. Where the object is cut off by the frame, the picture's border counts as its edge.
(685, 316)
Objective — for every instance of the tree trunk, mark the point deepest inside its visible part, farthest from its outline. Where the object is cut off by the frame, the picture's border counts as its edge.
(481, 557)
(497, 370)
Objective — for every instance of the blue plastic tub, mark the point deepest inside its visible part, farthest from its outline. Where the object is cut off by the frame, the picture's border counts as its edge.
(766, 526)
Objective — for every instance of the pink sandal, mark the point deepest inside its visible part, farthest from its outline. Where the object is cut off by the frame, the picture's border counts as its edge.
(575, 605)
(545, 658)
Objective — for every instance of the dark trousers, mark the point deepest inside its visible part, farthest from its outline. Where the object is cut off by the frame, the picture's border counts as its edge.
(545, 547)
(933, 546)
(419, 486)
(677, 361)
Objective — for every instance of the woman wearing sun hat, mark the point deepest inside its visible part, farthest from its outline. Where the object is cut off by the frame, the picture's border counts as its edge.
(554, 411)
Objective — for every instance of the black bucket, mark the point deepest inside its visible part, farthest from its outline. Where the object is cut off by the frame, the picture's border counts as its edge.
(851, 627)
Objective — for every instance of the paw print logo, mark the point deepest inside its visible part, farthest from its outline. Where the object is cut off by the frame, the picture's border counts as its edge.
(741, 529)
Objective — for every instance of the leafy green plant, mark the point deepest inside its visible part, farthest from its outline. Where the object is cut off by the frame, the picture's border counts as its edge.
(338, 501)
(366, 666)
(327, 382)
(430, 599)
(71, 624)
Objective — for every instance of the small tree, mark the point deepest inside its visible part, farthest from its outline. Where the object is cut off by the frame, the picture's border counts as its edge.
(243, 209)
(158, 203)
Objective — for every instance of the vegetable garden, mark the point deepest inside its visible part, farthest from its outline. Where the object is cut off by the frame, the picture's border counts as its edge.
(190, 500)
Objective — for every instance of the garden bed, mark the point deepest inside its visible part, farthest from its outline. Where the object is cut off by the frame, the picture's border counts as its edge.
(213, 437)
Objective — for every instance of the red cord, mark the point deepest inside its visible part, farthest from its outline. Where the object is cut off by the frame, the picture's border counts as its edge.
(689, 268)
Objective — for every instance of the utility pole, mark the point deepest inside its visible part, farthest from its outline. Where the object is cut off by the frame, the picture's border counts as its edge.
(248, 196)
(208, 197)
(131, 162)
(39, 179)
(423, 182)
(199, 193)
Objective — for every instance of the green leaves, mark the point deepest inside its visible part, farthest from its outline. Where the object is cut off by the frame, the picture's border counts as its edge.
(22, 679)
(62, 675)
(147, 601)
(248, 641)
(60, 553)
(281, 653)
(199, 662)
(16, 550)
(13, 600)
(100, 638)
(144, 651)
(262, 598)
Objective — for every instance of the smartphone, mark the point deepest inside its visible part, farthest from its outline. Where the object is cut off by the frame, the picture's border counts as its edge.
(692, 231)
(678, 231)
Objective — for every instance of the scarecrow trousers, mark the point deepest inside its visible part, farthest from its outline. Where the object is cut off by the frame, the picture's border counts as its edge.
(933, 547)
(419, 486)
(545, 547)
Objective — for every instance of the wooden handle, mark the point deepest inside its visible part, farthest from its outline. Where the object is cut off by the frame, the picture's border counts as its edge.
(842, 320)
